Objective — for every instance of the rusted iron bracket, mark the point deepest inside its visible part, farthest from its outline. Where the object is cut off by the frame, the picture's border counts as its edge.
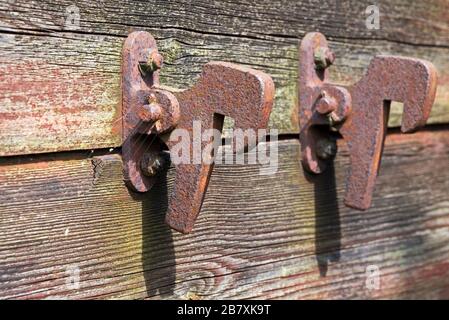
(151, 113)
(359, 112)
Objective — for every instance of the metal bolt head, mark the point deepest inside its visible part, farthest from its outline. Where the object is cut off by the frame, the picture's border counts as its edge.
(152, 98)
(153, 63)
(150, 112)
(326, 148)
(323, 57)
(151, 164)
(325, 104)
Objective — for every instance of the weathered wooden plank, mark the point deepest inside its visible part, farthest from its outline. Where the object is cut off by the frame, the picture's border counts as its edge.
(279, 236)
(60, 84)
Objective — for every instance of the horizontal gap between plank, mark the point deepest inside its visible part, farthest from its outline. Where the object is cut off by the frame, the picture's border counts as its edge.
(91, 153)
(43, 32)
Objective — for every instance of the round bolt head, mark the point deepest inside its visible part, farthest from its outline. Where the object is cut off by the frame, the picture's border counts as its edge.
(323, 57)
(326, 104)
(150, 112)
(148, 165)
(152, 98)
(154, 62)
(151, 164)
(326, 149)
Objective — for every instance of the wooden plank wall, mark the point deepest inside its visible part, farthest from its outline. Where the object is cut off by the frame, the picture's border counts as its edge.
(279, 236)
(60, 85)
(282, 236)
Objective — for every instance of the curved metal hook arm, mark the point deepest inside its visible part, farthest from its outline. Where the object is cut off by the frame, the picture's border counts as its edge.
(224, 89)
(389, 78)
(360, 112)
(153, 115)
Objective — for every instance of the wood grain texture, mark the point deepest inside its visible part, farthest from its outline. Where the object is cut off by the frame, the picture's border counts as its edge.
(60, 85)
(279, 236)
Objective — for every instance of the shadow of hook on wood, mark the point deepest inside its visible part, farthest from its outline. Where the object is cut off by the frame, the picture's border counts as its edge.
(327, 218)
(158, 253)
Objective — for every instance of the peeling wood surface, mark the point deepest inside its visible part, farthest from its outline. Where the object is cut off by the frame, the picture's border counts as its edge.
(280, 236)
(59, 84)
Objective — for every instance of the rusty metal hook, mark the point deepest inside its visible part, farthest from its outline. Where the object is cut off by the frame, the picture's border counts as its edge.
(224, 89)
(359, 112)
